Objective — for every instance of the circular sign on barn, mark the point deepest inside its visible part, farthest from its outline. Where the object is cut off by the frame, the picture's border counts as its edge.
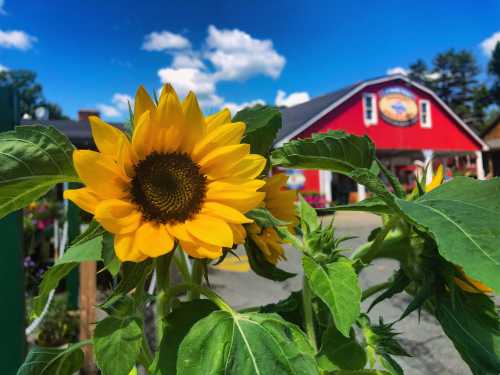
(398, 106)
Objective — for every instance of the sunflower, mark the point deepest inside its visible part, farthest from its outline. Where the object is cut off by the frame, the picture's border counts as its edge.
(280, 201)
(181, 178)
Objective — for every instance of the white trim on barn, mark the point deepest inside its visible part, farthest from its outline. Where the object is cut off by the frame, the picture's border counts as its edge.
(362, 86)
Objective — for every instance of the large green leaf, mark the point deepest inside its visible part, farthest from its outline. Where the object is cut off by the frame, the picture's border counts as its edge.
(336, 285)
(32, 160)
(472, 324)
(86, 251)
(340, 352)
(177, 325)
(52, 361)
(372, 204)
(361, 372)
(245, 344)
(336, 151)
(117, 344)
(263, 124)
(463, 217)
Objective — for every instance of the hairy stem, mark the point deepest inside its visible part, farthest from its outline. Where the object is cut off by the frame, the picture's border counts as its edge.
(163, 285)
(196, 277)
(374, 289)
(308, 313)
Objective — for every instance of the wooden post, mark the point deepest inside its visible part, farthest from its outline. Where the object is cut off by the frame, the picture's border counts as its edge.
(87, 310)
(12, 313)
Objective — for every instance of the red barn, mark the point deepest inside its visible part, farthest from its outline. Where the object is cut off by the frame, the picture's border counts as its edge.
(409, 124)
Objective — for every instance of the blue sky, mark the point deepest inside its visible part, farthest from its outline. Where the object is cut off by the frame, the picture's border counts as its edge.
(94, 53)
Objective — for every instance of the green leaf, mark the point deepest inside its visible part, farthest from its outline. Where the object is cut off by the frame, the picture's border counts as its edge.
(32, 160)
(52, 361)
(264, 218)
(291, 308)
(372, 204)
(261, 266)
(308, 216)
(337, 286)
(93, 230)
(177, 325)
(109, 258)
(132, 275)
(390, 364)
(463, 217)
(335, 151)
(471, 322)
(86, 251)
(263, 124)
(340, 352)
(396, 185)
(254, 344)
(117, 344)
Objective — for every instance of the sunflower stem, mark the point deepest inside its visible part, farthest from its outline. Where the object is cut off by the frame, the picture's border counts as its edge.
(308, 313)
(196, 278)
(163, 286)
(180, 262)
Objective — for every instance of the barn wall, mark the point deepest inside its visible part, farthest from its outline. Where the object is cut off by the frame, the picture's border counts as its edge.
(445, 135)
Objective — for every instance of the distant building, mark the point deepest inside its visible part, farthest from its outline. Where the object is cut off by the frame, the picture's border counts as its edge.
(491, 136)
(409, 124)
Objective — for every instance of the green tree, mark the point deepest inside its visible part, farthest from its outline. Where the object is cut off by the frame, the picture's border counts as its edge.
(30, 93)
(454, 78)
(494, 70)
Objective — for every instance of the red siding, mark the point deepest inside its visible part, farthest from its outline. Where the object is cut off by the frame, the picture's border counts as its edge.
(312, 181)
(445, 135)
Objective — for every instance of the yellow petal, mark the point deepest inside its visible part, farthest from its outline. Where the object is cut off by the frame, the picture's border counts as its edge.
(142, 138)
(436, 180)
(195, 127)
(84, 198)
(226, 213)
(154, 240)
(210, 230)
(219, 118)
(235, 184)
(126, 250)
(239, 233)
(220, 161)
(167, 89)
(199, 250)
(117, 216)
(168, 123)
(179, 231)
(241, 200)
(126, 158)
(250, 166)
(142, 104)
(224, 135)
(106, 137)
(100, 173)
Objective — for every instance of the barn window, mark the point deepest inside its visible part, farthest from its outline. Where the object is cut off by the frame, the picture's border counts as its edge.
(370, 109)
(425, 114)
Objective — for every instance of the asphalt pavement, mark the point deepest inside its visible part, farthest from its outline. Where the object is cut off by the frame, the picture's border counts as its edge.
(432, 352)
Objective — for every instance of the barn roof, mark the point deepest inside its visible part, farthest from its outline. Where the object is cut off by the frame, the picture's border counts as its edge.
(298, 118)
(77, 131)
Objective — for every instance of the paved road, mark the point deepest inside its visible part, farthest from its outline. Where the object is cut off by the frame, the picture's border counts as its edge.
(433, 353)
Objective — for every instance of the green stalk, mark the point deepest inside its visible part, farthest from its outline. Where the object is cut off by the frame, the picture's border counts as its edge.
(180, 262)
(163, 286)
(196, 278)
(308, 313)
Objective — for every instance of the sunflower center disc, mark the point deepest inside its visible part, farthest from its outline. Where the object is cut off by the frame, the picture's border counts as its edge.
(168, 188)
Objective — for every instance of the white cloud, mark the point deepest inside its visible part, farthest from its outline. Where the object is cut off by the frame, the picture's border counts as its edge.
(16, 39)
(282, 100)
(397, 70)
(3, 68)
(109, 111)
(187, 60)
(188, 79)
(238, 56)
(235, 107)
(433, 76)
(488, 45)
(121, 101)
(164, 40)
